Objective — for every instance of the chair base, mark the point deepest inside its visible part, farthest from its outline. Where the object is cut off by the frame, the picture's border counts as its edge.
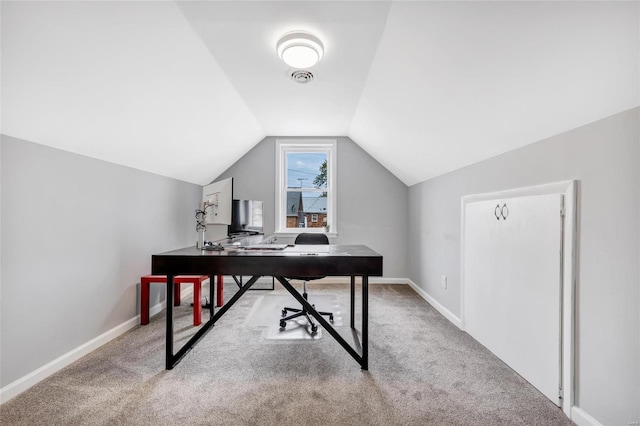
(302, 312)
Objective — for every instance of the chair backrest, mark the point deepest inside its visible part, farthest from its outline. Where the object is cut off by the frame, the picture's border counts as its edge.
(311, 238)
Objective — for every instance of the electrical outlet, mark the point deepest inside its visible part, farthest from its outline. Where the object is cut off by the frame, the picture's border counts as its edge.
(444, 281)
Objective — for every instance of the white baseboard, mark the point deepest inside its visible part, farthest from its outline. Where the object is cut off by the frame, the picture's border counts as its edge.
(582, 418)
(438, 307)
(22, 384)
(372, 280)
(382, 280)
(578, 416)
(333, 280)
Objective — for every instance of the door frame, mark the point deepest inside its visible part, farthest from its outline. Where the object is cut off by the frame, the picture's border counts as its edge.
(568, 276)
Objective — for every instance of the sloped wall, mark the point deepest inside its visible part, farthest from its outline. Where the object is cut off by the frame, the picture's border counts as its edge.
(77, 235)
(605, 157)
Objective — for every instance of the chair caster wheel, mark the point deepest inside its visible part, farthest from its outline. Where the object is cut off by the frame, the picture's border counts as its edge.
(331, 318)
(284, 312)
(314, 328)
(283, 324)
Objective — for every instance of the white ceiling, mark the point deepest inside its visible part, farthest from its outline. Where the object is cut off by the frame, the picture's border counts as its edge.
(184, 89)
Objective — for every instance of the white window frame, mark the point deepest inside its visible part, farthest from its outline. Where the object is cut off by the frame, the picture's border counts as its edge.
(283, 147)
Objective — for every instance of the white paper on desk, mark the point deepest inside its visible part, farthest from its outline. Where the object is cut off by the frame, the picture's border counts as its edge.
(308, 248)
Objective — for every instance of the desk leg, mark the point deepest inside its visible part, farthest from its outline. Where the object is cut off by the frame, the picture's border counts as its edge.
(174, 359)
(169, 333)
(353, 301)
(323, 322)
(365, 323)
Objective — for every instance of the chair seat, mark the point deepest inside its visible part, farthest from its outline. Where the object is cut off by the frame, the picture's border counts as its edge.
(306, 278)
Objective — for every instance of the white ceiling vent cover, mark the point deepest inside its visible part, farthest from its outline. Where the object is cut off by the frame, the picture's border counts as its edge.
(302, 76)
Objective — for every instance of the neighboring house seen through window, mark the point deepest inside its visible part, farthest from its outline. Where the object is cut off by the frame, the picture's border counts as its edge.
(306, 185)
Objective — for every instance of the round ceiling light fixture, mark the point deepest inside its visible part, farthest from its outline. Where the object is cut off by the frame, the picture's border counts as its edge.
(299, 49)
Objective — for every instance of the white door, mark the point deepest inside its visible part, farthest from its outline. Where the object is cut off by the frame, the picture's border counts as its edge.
(512, 284)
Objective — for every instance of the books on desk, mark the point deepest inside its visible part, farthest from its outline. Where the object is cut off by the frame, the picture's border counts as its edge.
(266, 247)
(308, 248)
(302, 249)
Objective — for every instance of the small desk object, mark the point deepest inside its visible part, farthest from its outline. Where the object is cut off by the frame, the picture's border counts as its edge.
(333, 260)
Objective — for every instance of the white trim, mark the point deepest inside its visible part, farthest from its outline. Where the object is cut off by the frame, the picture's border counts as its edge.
(436, 305)
(569, 189)
(582, 418)
(20, 385)
(383, 280)
(332, 280)
(577, 415)
(396, 281)
(31, 379)
(569, 277)
(302, 145)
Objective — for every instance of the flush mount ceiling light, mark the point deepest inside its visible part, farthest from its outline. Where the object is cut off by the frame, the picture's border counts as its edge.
(299, 49)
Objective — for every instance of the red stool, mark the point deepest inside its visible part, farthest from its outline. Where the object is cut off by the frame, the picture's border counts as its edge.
(219, 291)
(196, 280)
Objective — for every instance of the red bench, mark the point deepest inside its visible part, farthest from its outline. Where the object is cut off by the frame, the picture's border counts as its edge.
(196, 280)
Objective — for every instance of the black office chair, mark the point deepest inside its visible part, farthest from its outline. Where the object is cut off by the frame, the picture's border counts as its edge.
(305, 238)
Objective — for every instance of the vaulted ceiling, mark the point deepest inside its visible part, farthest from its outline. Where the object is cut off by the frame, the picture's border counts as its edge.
(184, 89)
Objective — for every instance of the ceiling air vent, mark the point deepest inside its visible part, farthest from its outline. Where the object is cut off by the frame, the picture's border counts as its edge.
(302, 76)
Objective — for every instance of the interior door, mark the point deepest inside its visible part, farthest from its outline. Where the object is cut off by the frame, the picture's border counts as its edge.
(512, 284)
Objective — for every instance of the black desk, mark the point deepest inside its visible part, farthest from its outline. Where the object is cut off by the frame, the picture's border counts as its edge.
(341, 260)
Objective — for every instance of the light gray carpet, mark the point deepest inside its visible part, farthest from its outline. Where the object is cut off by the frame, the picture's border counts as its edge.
(422, 371)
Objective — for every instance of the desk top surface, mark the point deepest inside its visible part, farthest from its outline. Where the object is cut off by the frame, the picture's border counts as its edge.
(294, 250)
(330, 260)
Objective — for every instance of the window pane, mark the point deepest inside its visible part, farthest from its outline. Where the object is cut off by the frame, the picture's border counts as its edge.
(306, 170)
(306, 209)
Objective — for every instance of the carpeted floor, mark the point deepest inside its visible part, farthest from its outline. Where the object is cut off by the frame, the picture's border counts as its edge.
(422, 371)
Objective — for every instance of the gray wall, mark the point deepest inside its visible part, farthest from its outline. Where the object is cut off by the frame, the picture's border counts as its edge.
(605, 157)
(371, 201)
(76, 235)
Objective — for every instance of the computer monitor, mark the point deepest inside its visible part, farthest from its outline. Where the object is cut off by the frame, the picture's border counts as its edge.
(246, 217)
(216, 202)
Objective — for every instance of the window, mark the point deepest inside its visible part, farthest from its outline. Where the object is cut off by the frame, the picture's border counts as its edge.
(306, 185)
